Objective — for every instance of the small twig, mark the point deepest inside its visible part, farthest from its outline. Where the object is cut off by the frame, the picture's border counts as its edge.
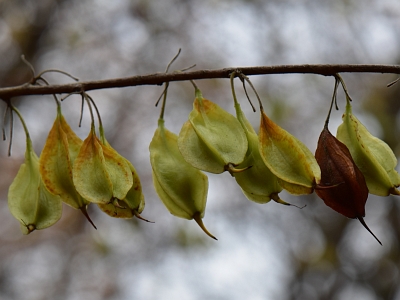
(393, 82)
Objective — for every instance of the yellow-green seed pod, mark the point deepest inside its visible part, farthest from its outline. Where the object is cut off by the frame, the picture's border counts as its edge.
(132, 205)
(258, 183)
(101, 174)
(181, 187)
(90, 174)
(133, 202)
(212, 140)
(28, 199)
(288, 158)
(372, 156)
(119, 171)
(60, 150)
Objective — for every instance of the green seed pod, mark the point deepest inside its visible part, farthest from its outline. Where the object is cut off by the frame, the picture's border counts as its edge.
(181, 187)
(288, 158)
(212, 140)
(60, 150)
(28, 199)
(258, 183)
(372, 156)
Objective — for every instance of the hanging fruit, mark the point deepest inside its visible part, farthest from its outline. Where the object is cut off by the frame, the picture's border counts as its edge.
(372, 156)
(181, 187)
(56, 160)
(288, 158)
(28, 199)
(100, 174)
(133, 203)
(346, 190)
(212, 140)
(258, 183)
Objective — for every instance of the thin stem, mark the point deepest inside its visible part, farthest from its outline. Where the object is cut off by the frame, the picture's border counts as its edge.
(194, 85)
(4, 122)
(29, 65)
(167, 83)
(344, 87)
(11, 130)
(232, 79)
(187, 68)
(28, 138)
(6, 112)
(11, 126)
(37, 80)
(162, 94)
(101, 128)
(244, 79)
(172, 60)
(198, 94)
(248, 97)
(21, 119)
(82, 106)
(57, 71)
(332, 101)
(164, 101)
(85, 97)
(97, 110)
(245, 90)
(393, 82)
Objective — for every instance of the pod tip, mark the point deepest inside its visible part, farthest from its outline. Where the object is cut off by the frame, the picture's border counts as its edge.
(137, 215)
(361, 219)
(199, 221)
(277, 199)
(84, 211)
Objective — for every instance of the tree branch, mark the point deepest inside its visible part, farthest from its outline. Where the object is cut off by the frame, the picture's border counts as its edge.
(160, 78)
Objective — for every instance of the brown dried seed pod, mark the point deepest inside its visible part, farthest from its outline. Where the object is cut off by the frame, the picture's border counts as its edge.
(346, 190)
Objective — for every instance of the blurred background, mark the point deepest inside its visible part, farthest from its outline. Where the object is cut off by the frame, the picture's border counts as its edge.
(264, 251)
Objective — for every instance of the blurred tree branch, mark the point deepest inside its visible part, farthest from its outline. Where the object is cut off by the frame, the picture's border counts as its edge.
(160, 78)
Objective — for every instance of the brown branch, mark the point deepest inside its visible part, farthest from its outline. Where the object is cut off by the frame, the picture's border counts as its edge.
(160, 78)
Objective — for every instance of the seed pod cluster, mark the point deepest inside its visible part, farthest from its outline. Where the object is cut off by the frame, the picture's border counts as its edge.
(211, 140)
(104, 177)
(75, 172)
(343, 171)
(345, 166)
(258, 183)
